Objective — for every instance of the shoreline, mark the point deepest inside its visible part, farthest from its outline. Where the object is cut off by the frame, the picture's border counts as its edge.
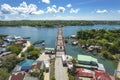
(53, 23)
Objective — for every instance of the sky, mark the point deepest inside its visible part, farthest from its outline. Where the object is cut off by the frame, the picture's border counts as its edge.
(59, 9)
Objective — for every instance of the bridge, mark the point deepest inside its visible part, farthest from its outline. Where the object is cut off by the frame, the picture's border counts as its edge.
(60, 70)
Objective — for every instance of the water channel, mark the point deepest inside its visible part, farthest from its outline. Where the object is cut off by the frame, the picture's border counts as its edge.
(50, 34)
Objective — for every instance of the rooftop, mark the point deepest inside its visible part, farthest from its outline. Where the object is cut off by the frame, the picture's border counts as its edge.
(101, 75)
(26, 62)
(17, 76)
(84, 72)
(51, 49)
(86, 58)
(30, 78)
(87, 66)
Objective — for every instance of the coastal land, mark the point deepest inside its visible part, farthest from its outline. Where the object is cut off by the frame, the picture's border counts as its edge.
(104, 42)
(52, 23)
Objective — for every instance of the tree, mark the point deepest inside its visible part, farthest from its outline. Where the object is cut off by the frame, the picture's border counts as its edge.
(10, 62)
(2, 36)
(35, 72)
(4, 74)
(1, 42)
(53, 78)
(14, 48)
(42, 75)
(108, 40)
(31, 48)
(34, 54)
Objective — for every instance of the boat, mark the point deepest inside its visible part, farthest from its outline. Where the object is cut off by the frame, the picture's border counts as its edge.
(39, 42)
(26, 37)
(74, 43)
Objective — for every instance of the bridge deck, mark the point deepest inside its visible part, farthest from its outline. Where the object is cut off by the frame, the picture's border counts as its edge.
(60, 70)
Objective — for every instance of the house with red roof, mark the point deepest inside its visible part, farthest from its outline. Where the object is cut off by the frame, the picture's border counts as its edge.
(17, 76)
(101, 75)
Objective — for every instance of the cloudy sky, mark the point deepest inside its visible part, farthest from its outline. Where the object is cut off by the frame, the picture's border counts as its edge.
(59, 9)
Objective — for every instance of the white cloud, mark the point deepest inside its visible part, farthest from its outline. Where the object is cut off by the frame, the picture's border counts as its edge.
(23, 5)
(51, 10)
(101, 11)
(23, 15)
(61, 9)
(74, 10)
(54, 9)
(68, 5)
(7, 9)
(22, 9)
(54, 6)
(46, 1)
(118, 11)
(38, 12)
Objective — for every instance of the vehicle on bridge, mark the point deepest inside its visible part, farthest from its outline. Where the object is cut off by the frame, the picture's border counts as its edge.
(64, 60)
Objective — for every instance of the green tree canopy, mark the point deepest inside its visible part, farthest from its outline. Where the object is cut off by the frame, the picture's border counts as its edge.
(14, 48)
(4, 74)
(10, 62)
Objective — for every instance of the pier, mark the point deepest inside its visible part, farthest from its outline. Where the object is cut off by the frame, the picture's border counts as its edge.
(60, 70)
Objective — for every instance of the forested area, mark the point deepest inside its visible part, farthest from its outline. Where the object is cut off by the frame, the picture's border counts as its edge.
(8, 65)
(52, 23)
(108, 40)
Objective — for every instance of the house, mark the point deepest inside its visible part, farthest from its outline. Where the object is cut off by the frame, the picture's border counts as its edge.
(81, 72)
(26, 65)
(87, 62)
(17, 76)
(38, 64)
(49, 50)
(92, 47)
(19, 42)
(101, 75)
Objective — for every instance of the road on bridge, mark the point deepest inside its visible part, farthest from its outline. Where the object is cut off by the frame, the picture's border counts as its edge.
(60, 70)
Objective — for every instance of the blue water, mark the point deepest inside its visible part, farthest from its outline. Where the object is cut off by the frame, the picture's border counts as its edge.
(50, 34)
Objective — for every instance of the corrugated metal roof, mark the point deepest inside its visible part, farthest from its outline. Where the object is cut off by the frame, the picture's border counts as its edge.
(86, 58)
(26, 62)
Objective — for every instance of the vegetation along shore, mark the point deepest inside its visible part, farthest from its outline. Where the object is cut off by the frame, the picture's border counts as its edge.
(105, 43)
(51, 23)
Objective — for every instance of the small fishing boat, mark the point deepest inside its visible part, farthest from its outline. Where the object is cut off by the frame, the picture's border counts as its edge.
(26, 37)
(74, 43)
(39, 42)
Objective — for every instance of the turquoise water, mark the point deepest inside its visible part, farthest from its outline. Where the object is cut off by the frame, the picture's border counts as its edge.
(50, 34)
